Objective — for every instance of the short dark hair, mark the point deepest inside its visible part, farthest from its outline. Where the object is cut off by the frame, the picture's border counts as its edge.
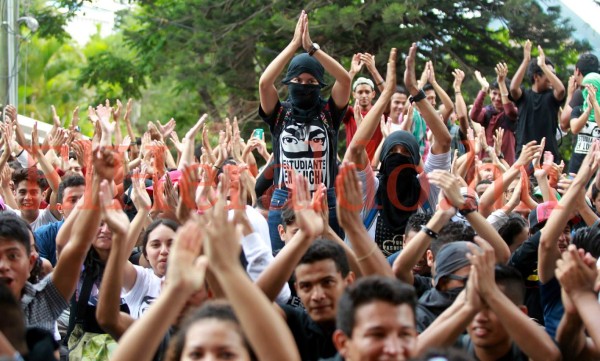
(288, 216)
(415, 221)
(588, 238)
(68, 182)
(513, 226)
(30, 174)
(452, 232)
(495, 86)
(511, 282)
(401, 89)
(367, 290)
(158, 222)
(218, 310)
(587, 63)
(324, 249)
(534, 69)
(427, 87)
(15, 228)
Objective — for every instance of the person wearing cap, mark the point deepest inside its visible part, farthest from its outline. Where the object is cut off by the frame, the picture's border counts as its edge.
(491, 310)
(363, 92)
(304, 128)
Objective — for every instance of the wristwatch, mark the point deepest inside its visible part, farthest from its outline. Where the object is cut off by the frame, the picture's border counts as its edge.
(418, 97)
(313, 49)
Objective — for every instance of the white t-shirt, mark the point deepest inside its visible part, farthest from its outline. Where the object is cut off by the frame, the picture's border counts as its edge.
(44, 217)
(144, 292)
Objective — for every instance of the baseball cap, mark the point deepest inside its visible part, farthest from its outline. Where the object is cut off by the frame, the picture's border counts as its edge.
(361, 81)
(451, 258)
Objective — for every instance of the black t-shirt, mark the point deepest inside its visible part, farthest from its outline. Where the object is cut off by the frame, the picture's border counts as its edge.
(538, 118)
(421, 284)
(514, 354)
(576, 99)
(525, 259)
(312, 340)
(306, 145)
(583, 142)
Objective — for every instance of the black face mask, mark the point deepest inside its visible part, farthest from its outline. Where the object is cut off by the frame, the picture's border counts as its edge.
(395, 160)
(304, 96)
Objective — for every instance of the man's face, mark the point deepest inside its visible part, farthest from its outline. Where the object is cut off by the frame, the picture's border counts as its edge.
(364, 95)
(382, 331)
(286, 233)
(75, 167)
(421, 268)
(564, 239)
(486, 330)
(29, 195)
(431, 97)
(319, 285)
(15, 265)
(496, 99)
(542, 81)
(70, 197)
(398, 101)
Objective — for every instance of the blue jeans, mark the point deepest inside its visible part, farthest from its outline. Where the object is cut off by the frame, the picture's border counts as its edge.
(280, 196)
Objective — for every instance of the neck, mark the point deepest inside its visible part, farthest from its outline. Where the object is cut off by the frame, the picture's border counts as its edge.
(366, 109)
(493, 353)
(103, 254)
(30, 215)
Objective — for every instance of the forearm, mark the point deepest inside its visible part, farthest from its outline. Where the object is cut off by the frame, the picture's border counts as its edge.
(135, 228)
(445, 98)
(588, 215)
(545, 188)
(49, 171)
(570, 335)
(266, 331)
(515, 84)
(487, 232)
(529, 337)
(334, 68)
(416, 248)
(589, 309)
(494, 192)
(275, 68)
(578, 123)
(446, 328)
(441, 136)
(370, 259)
(142, 339)
(352, 261)
(557, 85)
(283, 265)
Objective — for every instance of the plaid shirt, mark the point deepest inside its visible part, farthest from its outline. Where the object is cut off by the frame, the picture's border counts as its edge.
(42, 304)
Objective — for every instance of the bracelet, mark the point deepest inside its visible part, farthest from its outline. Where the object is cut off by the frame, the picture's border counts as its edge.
(417, 97)
(381, 82)
(360, 259)
(465, 212)
(504, 94)
(429, 232)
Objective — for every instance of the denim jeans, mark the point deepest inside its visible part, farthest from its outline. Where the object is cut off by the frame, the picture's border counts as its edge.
(280, 196)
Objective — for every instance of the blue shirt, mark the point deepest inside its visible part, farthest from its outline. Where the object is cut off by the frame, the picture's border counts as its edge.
(45, 240)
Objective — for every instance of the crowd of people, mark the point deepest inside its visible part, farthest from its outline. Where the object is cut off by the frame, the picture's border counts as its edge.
(438, 233)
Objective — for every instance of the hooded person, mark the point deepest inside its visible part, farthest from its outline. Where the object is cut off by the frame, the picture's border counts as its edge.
(584, 121)
(304, 128)
(399, 190)
(452, 268)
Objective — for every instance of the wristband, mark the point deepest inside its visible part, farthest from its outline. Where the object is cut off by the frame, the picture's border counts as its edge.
(504, 94)
(418, 97)
(381, 82)
(429, 232)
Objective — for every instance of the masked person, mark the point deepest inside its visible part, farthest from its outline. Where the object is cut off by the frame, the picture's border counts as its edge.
(304, 128)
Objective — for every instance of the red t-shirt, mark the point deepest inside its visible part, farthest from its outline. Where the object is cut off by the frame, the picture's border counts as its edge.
(351, 127)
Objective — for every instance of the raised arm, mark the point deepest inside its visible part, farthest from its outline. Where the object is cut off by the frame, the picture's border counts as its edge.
(369, 61)
(49, 171)
(265, 330)
(460, 105)
(509, 108)
(578, 123)
(517, 79)
(108, 313)
(310, 227)
(441, 136)
(526, 333)
(448, 105)
(548, 251)
(356, 152)
(185, 277)
(349, 205)
(558, 87)
(67, 270)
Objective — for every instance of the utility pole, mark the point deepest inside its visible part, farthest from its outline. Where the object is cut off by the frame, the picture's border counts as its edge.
(8, 53)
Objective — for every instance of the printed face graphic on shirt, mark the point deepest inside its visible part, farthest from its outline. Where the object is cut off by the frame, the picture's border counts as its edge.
(304, 149)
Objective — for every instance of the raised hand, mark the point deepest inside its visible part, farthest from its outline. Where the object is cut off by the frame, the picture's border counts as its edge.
(55, 118)
(450, 185)
(11, 112)
(501, 72)
(307, 210)
(498, 135)
(541, 59)
(459, 77)
(572, 85)
(482, 81)
(306, 41)
(116, 112)
(166, 129)
(191, 134)
(430, 72)
(186, 268)
(483, 261)
(112, 213)
(139, 195)
(104, 161)
(410, 79)
(356, 64)
(297, 39)
(528, 152)
(576, 272)
(349, 196)
(527, 50)
(74, 120)
(369, 61)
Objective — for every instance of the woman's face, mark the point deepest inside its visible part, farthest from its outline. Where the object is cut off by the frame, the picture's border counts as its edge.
(213, 339)
(157, 248)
